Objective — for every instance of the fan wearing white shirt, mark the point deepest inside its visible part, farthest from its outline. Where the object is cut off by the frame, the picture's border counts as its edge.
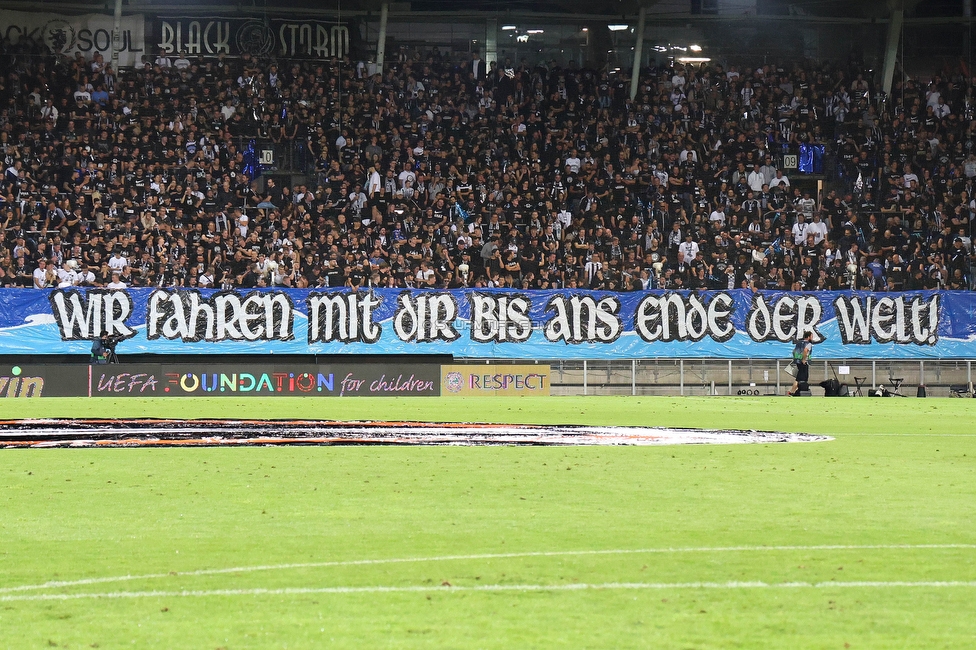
(67, 276)
(206, 279)
(477, 66)
(799, 230)
(373, 181)
(717, 215)
(573, 162)
(242, 224)
(688, 154)
(909, 178)
(85, 277)
(164, 61)
(818, 229)
(688, 248)
(40, 275)
(116, 283)
(50, 111)
(406, 175)
(565, 218)
(755, 179)
(117, 262)
(806, 205)
(357, 199)
(779, 180)
(181, 63)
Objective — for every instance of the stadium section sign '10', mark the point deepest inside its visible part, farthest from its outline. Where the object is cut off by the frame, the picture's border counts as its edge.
(491, 323)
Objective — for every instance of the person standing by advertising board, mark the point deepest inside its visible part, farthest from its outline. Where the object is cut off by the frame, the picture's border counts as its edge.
(801, 357)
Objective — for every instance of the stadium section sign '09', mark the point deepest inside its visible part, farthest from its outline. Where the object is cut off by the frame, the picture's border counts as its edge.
(491, 323)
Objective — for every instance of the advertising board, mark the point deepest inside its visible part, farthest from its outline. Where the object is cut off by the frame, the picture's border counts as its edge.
(18, 381)
(494, 379)
(264, 380)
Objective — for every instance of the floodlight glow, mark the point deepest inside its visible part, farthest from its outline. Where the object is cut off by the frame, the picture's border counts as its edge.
(522, 38)
(536, 31)
(693, 59)
(695, 48)
(617, 28)
(507, 28)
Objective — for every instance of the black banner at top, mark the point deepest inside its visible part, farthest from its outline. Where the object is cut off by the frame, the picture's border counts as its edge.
(274, 37)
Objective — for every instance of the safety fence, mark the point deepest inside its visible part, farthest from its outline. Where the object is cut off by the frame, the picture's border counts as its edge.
(270, 378)
(941, 378)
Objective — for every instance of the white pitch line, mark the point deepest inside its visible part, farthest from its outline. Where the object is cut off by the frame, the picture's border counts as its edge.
(298, 591)
(483, 556)
(927, 435)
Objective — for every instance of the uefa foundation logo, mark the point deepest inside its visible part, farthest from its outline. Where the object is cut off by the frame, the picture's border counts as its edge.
(454, 382)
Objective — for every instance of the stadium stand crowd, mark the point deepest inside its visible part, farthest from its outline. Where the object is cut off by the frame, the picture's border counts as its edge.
(449, 173)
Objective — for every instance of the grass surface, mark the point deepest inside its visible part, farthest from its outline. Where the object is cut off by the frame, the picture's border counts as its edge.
(900, 472)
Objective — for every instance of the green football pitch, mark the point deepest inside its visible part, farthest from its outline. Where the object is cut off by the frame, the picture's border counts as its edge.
(864, 541)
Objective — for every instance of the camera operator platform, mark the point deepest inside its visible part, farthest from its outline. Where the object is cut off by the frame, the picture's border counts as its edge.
(103, 349)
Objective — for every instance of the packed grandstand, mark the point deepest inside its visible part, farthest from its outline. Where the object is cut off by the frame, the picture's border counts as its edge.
(440, 173)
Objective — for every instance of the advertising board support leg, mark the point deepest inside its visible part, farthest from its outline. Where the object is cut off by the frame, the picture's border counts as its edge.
(730, 377)
(633, 376)
(584, 377)
(777, 377)
(874, 374)
(681, 376)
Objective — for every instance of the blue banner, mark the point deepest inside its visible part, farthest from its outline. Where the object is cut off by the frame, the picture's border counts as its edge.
(492, 323)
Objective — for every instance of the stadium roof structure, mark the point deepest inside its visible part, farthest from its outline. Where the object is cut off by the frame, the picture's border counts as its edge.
(798, 9)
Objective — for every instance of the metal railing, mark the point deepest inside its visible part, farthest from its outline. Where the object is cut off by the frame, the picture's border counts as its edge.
(940, 377)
